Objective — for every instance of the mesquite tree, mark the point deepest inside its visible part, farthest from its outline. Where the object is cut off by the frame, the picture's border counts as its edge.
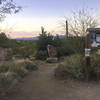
(8, 7)
(80, 20)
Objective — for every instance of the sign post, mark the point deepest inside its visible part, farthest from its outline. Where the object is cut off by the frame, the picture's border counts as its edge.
(92, 40)
(87, 56)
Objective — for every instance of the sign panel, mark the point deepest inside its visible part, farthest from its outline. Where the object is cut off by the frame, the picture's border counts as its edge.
(97, 37)
(87, 52)
(95, 40)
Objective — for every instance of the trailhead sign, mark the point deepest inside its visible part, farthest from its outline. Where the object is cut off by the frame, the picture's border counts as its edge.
(94, 37)
(92, 40)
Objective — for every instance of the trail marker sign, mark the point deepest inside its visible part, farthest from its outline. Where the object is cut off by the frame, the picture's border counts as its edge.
(94, 37)
(92, 40)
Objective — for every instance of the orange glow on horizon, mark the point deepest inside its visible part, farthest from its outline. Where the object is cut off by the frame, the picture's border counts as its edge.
(31, 34)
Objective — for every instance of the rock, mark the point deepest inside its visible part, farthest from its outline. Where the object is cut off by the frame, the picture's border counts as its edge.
(52, 54)
(5, 54)
(51, 51)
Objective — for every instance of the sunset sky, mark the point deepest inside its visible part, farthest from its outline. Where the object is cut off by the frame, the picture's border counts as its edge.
(47, 13)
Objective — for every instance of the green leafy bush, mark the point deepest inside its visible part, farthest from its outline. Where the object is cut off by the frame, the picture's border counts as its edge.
(41, 55)
(30, 66)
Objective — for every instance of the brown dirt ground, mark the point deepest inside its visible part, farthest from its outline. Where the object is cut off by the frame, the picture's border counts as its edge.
(42, 85)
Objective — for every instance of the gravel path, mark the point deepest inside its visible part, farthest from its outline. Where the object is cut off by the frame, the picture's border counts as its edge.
(41, 85)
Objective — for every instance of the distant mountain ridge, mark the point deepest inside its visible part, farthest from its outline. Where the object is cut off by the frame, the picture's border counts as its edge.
(27, 38)
(34, 38)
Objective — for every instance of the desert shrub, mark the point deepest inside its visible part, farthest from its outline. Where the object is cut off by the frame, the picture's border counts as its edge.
(41, 45)
(73, 66)
(43, 41)
(42, 55)
(68, 46)
(4, 41)
(13, 72)
(3, 68)
(30, 66)
(7, 81)
(61, 72)
(19, 69)
(23, 48)
(72, 46)
(94, 70)
(61, 51)
(64, 46)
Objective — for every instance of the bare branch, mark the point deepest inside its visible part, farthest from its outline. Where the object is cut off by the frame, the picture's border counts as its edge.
(8, 7)
(81, 20)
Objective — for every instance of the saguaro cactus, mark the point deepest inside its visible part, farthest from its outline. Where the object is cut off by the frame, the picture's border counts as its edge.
(66, 28)
(42, 31)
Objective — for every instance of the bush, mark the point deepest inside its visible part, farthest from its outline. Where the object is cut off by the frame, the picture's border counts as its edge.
(18, 69)
(61, 51)
(74, 66)
(71, 66)
(42, 43)
(64, 47)
(41, 55)
(7, 81)
(11, 73)
(72, 46)
(30, 66)
(23, 48)
(4, 41)
(95, 67)
(3, 68)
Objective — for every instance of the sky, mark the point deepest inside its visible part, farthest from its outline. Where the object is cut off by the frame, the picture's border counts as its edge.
(47, 13)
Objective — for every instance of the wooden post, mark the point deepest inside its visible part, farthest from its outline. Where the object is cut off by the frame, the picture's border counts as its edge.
(87, 56)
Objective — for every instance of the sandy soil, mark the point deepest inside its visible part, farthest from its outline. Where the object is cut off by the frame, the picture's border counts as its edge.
(42, 85)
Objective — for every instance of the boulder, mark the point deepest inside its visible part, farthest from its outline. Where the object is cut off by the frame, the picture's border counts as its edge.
(51, 51)
(5, 54)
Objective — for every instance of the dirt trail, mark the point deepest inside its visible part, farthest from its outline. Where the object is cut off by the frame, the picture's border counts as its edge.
(41, 85)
